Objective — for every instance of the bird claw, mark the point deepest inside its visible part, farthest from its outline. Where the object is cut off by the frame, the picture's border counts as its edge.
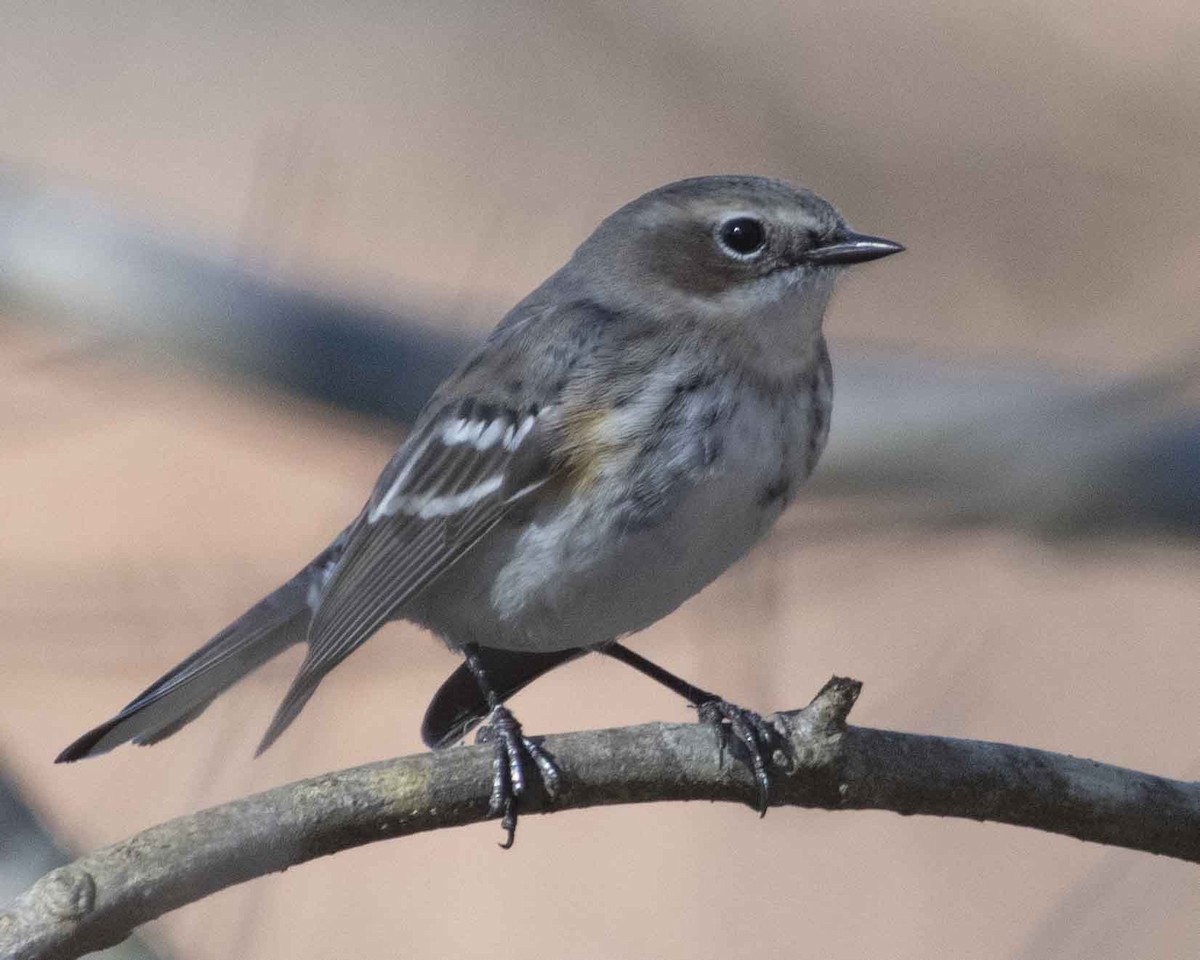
(751, 738)
(512, 754)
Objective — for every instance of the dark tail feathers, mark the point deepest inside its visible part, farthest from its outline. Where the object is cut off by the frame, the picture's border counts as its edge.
(262, 632)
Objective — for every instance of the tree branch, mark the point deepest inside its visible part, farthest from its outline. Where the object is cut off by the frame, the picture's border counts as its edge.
(97, 900)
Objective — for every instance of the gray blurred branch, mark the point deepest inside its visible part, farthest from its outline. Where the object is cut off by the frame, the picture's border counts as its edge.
(69, 260)
(964, 441)
(100, 898)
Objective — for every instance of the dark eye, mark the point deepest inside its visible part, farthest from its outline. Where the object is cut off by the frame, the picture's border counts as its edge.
(742, 236)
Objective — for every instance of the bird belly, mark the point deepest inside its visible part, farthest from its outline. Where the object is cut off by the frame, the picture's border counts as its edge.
(604, 585)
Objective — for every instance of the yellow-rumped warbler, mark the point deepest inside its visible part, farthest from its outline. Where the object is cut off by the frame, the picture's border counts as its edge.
(628, 431)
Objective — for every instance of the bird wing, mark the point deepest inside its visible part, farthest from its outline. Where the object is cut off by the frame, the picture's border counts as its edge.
(455, 478)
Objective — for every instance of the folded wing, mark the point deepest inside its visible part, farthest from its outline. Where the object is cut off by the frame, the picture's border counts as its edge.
(455, 478)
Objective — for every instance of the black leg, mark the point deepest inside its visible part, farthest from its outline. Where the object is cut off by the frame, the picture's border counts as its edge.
(754, 740)
(693, 695)
(512, 753)
(459, 704)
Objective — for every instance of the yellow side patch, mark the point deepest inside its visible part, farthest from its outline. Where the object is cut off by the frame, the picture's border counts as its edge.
(589, 444)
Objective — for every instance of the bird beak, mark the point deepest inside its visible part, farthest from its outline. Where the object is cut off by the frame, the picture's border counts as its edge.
(849, 247)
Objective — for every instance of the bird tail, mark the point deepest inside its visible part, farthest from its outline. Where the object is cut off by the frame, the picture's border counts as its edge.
(265, 630)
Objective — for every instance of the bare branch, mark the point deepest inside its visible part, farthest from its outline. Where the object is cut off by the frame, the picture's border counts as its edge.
(97, 900)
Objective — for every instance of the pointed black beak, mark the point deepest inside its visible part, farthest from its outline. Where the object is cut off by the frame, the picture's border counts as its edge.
(848, 247)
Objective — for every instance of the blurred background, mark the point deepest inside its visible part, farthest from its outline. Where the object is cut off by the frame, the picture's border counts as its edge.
(240, 243)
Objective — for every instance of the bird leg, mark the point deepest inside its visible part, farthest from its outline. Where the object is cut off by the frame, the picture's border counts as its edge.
(512, 754)
(751, 739)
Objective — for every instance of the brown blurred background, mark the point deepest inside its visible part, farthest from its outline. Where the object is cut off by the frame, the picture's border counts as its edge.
(435, 161)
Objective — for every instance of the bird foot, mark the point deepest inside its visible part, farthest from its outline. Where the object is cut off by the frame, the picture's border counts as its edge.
(750, 738)
(511, 773)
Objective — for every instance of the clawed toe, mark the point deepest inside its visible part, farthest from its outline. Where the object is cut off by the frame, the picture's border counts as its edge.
(511, 775)
(751, 739)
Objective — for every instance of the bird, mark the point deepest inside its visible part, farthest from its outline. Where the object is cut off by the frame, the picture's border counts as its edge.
(627, 432)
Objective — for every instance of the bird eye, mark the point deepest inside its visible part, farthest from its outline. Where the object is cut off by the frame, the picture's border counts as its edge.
(742, 237)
